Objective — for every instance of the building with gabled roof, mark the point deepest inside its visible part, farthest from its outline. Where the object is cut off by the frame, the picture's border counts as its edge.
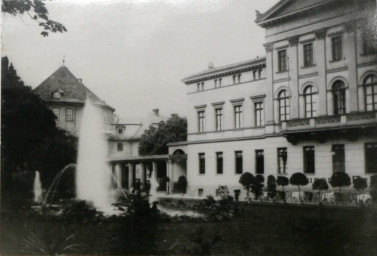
(66, 95)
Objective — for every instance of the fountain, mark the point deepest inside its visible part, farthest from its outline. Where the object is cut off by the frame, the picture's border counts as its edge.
(93, 177)
(37, 188)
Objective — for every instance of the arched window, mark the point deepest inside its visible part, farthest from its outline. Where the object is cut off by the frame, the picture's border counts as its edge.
(283, 100)
(339, 96)
(310, 104)
(370, 89)
(56, 95)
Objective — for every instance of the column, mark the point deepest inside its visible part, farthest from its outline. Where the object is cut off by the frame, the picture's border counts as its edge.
(320, 61)
(350, 55)
(130, 175)
(269, 100)
(293, 63)
(118, 176)
(169, 170)
(143, 176)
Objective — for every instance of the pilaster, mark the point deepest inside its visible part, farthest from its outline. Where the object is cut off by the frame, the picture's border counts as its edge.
(320, 61)
(350, 55)
(293, 76)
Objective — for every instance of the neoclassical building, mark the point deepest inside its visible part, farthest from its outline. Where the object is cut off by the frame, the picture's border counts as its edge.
(308, 106)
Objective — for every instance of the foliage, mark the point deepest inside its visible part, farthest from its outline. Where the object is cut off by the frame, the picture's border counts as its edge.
(182, 184)
(223, 192)
(271, 186)
(36, 10)
(340, 179)
(320, 184)
(154, 140)
(299, 179)
(282, 181)
(246, 180)
(209, 201)
(360, 184)
(41, 242)
(79, 210)
(30, 139)
(257, 186)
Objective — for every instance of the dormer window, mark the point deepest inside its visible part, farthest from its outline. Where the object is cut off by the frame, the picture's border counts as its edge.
(120, 130)
(57, 95)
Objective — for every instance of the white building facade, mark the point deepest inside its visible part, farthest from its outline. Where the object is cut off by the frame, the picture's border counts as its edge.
(309, 106)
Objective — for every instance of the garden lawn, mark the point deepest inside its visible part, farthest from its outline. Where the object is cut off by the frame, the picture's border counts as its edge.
(258, 230)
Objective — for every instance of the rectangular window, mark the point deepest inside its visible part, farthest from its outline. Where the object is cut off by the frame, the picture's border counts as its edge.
(239, 78)
(219, 162)
(120, 146)
(234, 79)
(259, 73)
(308, 55)
(238, 117)
(69, 115)
(282, 60)
(200, 192)
(337, 48)
(254, 74)
(239, 161)
(259, 114)
(309, 166)
(371, 157)
(282, 160)
(259, 161)
(219, 119)
(201, 119)
(120, 130)
(202, 163)
(220, 82)
(198, 87)
(202, 86)
(56, 112)
(338, 158)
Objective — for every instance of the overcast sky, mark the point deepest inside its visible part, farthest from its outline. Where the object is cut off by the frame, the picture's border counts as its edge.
(133, 54)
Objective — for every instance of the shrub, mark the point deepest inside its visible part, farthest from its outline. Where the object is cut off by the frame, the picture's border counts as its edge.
(299, 179)
(320, 184)
(360, 184)
(271, 186)
(223, 192)
(79, 210)
(257, 185)
(282, 181)
(246, 180)
(209, 201)
(340, 179)
(373, 188)
(182, 184)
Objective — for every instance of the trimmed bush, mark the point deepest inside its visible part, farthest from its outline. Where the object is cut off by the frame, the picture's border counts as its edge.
(320, 184)
(299, 179)
(340, 179)
(360, 184)
(246, 180)
(271, 186)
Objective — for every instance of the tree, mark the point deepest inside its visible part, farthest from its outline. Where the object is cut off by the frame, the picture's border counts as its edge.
(30, 139)
(282, 181)
(299, 179)
(340, 179)
(246, 181)
(271, 186)
(360, 184)
(36, 10)
(154, 140)
(320, 184)
(257, 185)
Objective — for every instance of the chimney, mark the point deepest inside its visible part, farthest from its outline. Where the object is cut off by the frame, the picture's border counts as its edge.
(80, 80)
(210, 65)
(156, 112)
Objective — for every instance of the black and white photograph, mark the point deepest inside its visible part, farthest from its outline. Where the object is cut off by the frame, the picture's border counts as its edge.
(189, 127)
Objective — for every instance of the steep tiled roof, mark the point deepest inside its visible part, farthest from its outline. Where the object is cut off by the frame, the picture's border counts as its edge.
(71, 88)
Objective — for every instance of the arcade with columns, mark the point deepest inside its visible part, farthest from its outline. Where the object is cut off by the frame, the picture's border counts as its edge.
(130, 170)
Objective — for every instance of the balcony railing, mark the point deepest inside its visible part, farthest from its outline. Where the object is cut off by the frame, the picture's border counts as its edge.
(331, 121)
